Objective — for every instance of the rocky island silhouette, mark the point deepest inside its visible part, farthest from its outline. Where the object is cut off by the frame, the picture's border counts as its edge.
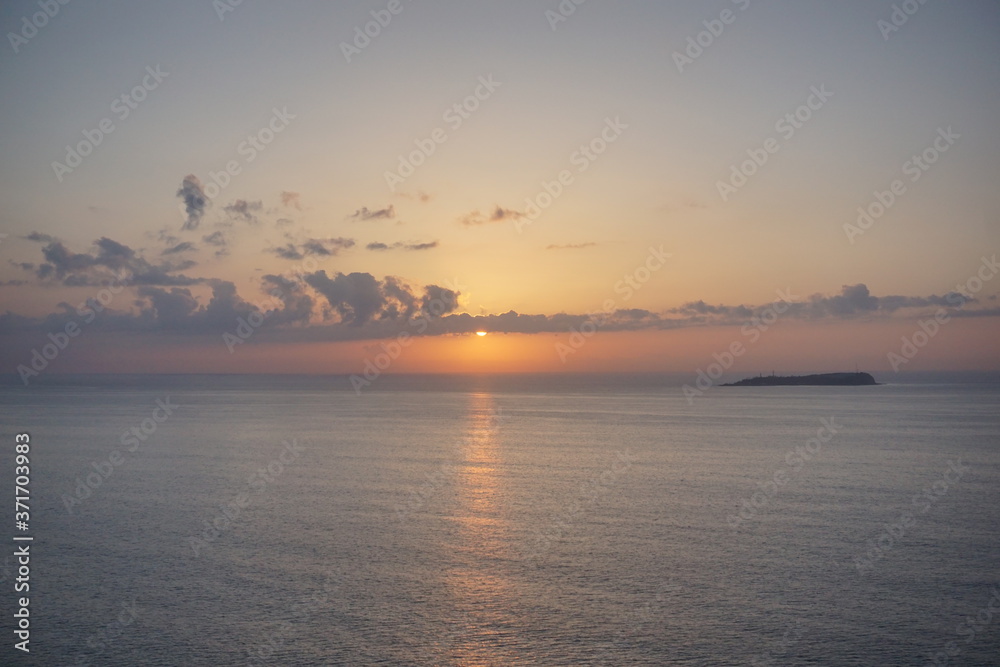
(821, 379)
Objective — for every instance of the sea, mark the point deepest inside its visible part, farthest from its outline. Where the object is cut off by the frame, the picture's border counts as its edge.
(503, 520)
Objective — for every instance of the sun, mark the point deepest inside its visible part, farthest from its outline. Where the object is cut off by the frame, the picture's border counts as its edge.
(480, 333)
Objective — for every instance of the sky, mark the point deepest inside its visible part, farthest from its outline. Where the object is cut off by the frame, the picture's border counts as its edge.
(636, 186)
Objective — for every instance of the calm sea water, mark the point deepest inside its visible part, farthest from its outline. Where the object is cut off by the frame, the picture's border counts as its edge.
(507, 521)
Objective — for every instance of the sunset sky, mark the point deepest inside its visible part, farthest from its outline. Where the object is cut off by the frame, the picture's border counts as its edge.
(587, 171)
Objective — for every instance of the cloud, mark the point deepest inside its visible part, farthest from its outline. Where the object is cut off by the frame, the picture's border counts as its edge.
(185, 246)
(39, 237)
(851, 300)
(195, 201)
(297, 305)
(177, 310)
(291, 200)
(499, 214)
(244, 210)
(287, 251)
(218, 240)
(570, 246)
(364, 213)
(360, 298)
(439, 301)
(106, 263)
(322, 247)
(326, 246)
(700, 308)
(403, 246)
(357, 297)
(165, 237)
(215, 238)
(855, 300)
(419, 196)
(358, 306)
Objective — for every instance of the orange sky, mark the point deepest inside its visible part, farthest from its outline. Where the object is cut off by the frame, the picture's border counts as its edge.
(960, 344)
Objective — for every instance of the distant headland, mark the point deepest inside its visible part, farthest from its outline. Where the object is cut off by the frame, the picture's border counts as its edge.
(821, 379)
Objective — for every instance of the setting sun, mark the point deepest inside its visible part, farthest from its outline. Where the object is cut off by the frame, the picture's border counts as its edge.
(480, 333)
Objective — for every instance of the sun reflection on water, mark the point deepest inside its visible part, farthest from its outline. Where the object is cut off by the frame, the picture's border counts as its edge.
(480, 587)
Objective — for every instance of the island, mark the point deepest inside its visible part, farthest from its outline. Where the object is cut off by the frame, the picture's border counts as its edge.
(821, 379)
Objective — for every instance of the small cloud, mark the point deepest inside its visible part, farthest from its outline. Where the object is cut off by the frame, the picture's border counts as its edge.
(364, 213)
(287, 251)
(291, 200)
(185, 246)
(195, 201)
(324, 247)
(165, 236)
(39, 237)
(419, 196)
(215, 238)
(499, 214)
(244, 210)
(570, 246)
(402, 246)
